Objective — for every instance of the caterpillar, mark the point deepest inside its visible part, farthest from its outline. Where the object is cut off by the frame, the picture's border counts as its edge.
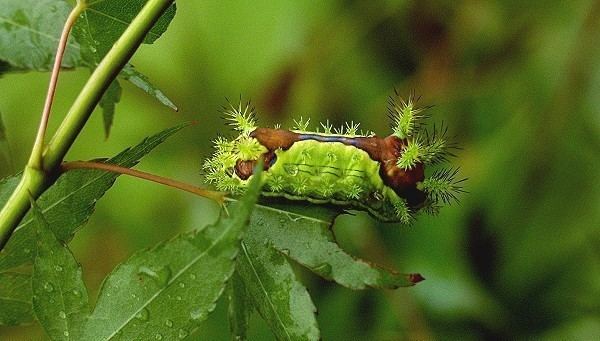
(384, 176)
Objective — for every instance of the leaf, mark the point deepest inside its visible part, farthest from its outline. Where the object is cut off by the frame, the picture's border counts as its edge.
(165, 292)
(103, 22)
(15, 299)
(305, 235)
(68, 204)
(240, 308)
(276, 293)
(60, 298)
(141, 81)
(30, 31)
(108, 102)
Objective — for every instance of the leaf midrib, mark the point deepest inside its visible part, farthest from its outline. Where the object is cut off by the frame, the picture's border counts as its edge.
(264, 290)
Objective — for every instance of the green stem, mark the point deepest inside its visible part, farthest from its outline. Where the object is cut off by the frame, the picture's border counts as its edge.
(35, 181)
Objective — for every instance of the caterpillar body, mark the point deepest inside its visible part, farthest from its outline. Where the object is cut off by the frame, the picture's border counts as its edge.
(384, 176)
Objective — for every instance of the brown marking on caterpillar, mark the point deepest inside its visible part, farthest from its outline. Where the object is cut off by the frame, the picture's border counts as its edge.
(386, 151)
(245, 168)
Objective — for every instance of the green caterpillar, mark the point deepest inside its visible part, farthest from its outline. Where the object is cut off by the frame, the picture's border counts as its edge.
(383, 176)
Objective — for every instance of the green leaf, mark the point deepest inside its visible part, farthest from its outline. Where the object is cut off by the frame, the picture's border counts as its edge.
(103, 22)
(109, 100)
(68, 204)
(240, 308)
(15, 299)
(141, 81)
(30, 31)
(60, 298)
(304, 234)
(165, 292)
(276, 293)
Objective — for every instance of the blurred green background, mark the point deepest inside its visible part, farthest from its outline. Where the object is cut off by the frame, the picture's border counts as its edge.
(518, 82)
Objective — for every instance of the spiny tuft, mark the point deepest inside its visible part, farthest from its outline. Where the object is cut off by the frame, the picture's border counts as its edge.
(443, 187)
(241, 117)
(406, 116)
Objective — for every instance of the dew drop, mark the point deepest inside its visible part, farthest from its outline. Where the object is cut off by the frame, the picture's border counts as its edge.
(66, 333)
(48, 287)
(161, 275)
(181, 285)
(143, 315)
(58, 268)
(76, 293)
(192, 276)
(27, 251)
(169, 323)
(198, 314)
(158, 337)
(62, 314)
(323, 269)
(183, 333)
(178, 298)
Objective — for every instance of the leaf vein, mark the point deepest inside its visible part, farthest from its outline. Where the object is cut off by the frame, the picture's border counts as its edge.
(264, 290)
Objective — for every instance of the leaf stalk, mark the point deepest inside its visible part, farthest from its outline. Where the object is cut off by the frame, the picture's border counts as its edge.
(219, 197)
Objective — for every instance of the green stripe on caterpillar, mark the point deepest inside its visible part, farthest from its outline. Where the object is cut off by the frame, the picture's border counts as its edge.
(383, 176)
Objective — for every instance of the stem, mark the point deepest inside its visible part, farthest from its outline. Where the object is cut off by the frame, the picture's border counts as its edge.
(99, 81)
(35, 159)
(219, 197)
(36, 180)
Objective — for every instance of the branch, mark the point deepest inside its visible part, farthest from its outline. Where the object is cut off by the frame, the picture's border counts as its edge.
(219, 197)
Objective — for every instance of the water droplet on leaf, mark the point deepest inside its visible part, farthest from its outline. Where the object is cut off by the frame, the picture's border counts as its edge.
(198, 314)
(183, 333)
(169, 323)
(143, 315)
(161, 275)
(323, 269)
(58, 268)
(48, 287)
(62, 314)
